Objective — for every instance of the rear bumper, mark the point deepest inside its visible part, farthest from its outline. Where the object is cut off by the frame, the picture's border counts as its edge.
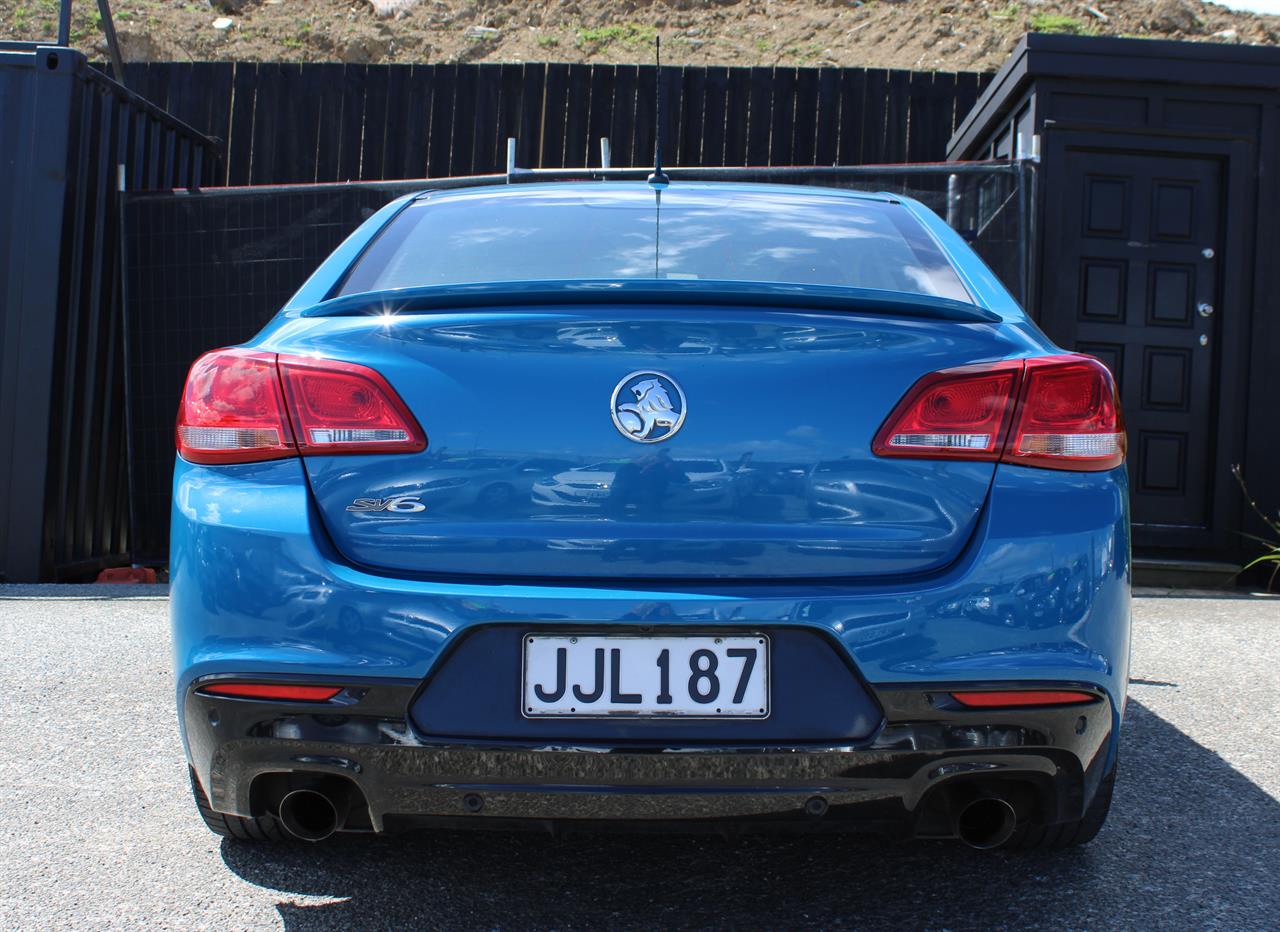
(246, 754)
(1039, 596)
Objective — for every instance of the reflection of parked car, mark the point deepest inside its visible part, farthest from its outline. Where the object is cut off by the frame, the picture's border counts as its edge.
(654, 483)
(848, 489)
(490, 482)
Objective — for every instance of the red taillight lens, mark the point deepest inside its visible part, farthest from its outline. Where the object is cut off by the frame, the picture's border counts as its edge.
(280, 691)
(1014, 698)
(232, 410)
(953, 414)
(339, 407)
(242, 406)
(1067, 415)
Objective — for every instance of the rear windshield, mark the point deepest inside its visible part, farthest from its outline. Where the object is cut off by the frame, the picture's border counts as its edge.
(551, 233)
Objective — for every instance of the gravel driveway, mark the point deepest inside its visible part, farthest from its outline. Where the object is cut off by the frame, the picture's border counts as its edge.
(97, 828)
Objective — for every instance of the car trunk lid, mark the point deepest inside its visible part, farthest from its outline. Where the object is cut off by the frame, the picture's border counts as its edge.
(532, 470)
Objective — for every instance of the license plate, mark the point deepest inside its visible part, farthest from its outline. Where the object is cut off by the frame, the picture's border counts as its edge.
(624, 675)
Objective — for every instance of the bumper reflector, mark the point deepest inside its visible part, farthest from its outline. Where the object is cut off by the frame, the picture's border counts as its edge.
(280, 691)
(1016, 698)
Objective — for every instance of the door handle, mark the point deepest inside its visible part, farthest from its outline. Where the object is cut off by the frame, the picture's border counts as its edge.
(1206, 310)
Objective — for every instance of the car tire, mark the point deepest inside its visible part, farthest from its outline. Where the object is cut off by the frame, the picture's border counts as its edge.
(264, 829)
(1067, 834)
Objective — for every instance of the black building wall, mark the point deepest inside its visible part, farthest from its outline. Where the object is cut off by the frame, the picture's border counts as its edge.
(1158, 250)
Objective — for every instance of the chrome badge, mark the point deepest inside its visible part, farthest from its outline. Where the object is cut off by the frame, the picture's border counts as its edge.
(647, 407)
(397, 504)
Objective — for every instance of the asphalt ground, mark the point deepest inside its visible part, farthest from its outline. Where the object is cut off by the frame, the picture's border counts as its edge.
(97, 829)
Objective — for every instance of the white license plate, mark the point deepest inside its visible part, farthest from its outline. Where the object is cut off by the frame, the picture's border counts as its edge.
(638, 675)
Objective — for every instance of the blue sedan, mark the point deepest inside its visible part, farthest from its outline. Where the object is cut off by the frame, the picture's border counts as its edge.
(802, 523)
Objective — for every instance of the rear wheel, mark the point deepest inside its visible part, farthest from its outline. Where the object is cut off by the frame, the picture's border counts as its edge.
(1067, 834)
(263, 829)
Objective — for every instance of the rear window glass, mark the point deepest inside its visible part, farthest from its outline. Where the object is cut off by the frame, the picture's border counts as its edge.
(551, 233)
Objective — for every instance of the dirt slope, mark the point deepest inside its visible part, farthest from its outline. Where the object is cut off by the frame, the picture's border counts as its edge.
(922, 34)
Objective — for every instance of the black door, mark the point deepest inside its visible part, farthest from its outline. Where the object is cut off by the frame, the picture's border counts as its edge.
(1131, 275)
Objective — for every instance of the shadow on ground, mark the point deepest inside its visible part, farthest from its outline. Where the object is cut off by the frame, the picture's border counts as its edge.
(1191, 843)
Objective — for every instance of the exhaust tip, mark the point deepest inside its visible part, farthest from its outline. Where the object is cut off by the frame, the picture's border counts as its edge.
(986, 822)
(308, 815)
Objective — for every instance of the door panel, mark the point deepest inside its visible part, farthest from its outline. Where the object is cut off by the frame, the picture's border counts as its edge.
(1133, 253)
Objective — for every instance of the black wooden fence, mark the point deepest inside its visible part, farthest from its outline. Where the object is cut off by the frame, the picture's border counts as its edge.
(293, 123)
(64, 131)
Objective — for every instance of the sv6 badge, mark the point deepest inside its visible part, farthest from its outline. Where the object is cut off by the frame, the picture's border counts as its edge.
(397, 504)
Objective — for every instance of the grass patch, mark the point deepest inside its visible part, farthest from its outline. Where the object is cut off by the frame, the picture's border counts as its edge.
(806, 53)
(629, 34)
(1055, 22)
(548, 42)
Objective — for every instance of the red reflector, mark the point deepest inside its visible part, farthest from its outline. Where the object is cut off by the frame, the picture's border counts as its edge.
(339, 407)
(1011, 698)
(273, 691)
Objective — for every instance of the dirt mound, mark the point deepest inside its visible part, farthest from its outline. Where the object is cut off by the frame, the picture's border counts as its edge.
(919, 34)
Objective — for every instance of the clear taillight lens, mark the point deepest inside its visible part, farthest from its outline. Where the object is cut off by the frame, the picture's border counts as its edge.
(1059, 412)
(242, 406)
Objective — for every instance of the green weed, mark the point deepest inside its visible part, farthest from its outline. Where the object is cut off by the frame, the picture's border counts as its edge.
(1055, 22)
(629, 34)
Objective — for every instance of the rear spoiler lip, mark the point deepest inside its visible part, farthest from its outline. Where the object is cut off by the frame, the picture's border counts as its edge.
(666, 291)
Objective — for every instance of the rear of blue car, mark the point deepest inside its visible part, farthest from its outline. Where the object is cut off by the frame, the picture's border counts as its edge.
(701, 506)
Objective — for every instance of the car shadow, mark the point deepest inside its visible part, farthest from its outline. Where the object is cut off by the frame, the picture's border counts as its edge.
(1191, 843)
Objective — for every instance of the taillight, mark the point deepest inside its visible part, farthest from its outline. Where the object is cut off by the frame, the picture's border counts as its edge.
(1059, 412)
(242, 406)
(1068, 416)
(232, 410)
(339, 407)
(953, 414)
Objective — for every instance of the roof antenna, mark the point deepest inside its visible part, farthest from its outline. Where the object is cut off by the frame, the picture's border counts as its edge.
(658, 178)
